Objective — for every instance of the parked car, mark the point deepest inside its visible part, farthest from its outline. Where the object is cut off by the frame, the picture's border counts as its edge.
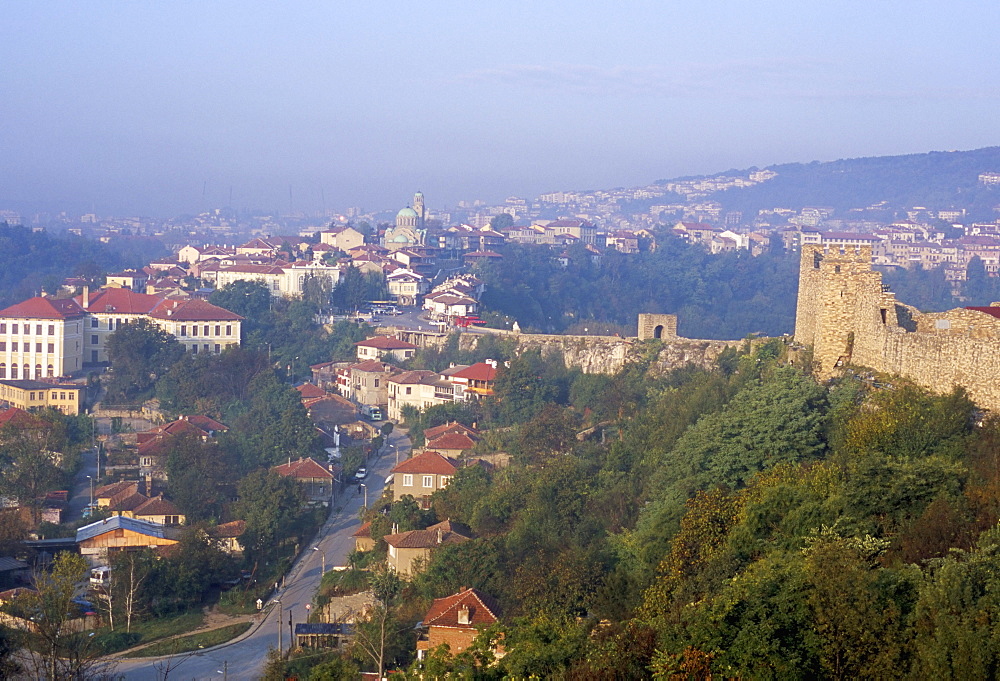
(361, 474)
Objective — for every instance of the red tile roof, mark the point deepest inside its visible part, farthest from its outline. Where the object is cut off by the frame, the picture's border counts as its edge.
(427, 462)
(445, 532)
(114, 489)
(156, 506)
(195, 310)
(386, 343)
(43, 308)
(308, 390)
(480, 371)
(122, 300)
(303, 468)
(483, 610)
(372, 365)
(364, 531)
(453, 427)
(230, 530)
(18, 418)
(206, 423)
(452, 441)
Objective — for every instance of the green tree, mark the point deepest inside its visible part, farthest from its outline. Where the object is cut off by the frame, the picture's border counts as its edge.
(270, 505)
(377, 633)
(139, 351)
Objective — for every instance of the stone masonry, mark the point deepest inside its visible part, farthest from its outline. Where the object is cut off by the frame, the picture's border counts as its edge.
(846, 315)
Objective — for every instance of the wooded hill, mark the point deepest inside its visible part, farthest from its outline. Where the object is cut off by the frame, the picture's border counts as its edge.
(744, 522)
(937, 180)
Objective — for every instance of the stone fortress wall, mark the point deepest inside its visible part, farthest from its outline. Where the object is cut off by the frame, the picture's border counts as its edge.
(848, 317)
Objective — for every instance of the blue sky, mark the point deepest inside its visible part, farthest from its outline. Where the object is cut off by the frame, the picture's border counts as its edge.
(141, 107)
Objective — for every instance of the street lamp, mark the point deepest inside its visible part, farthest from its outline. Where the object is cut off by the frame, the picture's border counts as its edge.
(397, 453)
(323, 555)
(366, 493)
(91, 490)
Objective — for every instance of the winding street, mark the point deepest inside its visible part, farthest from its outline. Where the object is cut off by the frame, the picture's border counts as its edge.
(245, 657)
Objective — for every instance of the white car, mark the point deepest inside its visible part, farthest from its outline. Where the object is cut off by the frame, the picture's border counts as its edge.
(361, 474)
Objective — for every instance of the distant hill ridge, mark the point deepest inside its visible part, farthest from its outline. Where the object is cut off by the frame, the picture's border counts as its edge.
(936, 180)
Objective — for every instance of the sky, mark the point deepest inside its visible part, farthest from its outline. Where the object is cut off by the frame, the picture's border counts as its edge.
(163, 108)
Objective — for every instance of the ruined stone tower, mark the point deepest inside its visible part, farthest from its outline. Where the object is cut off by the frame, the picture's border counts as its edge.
(840, 297)
(657, 326)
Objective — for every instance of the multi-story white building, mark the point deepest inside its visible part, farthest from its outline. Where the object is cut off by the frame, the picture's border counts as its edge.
(41, 337)
(288, 281)
(47, 337)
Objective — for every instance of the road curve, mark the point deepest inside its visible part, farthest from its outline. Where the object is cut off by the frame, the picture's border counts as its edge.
(245, 657)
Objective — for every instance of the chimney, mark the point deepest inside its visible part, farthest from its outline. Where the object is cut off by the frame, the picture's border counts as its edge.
(463, 614)
(440, 535)
(86, 297)
(395, 529)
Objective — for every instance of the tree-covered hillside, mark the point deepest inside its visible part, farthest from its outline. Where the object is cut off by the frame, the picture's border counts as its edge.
(31, 262)
(745, 522)
(936, 180)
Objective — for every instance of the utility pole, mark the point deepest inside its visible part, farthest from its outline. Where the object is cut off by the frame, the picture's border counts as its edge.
(280, 613)
(291, 637)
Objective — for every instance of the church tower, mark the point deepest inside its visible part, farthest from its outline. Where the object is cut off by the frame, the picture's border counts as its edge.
(418, 207)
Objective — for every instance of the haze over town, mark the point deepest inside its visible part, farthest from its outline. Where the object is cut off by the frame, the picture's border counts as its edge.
(158, 110)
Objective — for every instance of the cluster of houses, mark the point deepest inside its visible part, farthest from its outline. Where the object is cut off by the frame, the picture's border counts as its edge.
(374, 382)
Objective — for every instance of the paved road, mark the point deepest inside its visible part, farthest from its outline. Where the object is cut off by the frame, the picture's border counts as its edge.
(245, 658)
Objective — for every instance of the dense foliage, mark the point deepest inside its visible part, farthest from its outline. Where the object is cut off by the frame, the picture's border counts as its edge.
(31, 262)
(741, 522)
(728, 295)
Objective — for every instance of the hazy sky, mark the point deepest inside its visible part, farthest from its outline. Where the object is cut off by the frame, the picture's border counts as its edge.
(141, 107)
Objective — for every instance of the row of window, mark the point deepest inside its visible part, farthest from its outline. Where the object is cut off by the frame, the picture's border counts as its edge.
(205, 330)
(14, 345)
(205, 348)
(51, 372)
(60, 395)
(14, 328)
(428, 480)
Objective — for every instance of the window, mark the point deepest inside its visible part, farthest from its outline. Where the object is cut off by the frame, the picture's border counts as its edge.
(31, 396)
(205, 347)
(445, 479)
(38, 372)
(408, 390)
(3, 346)
(407, 480)
(62, 396)
(376, 382)
(13, 371)
(218, 330)
(206, 330)
(184, 330)
(119, 534)
(194, 349)
(52, 348)
(52, 329)
(13, 328)
(38, 329)
(147, 461)
(3, 370)
(13, 346)
(229, 330)
(94, 322)
(3, 327)
(218, 348)
(51, 371)
(428, 481)
(72, 395)
(93, 340)
(392, 550)
(38, 347)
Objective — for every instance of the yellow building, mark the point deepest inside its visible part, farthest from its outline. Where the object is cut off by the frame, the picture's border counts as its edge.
(27, 395)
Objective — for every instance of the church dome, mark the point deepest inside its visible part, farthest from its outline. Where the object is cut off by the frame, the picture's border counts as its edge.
(407, 213)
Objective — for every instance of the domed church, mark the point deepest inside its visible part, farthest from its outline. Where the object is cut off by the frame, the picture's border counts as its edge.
(409, 230)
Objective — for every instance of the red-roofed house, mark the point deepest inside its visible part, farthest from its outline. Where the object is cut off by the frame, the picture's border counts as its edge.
(452, 444)
(456, 620)
(315, 479)
(450, 427)
(408, 551)
(422, 475)
(363, 538)
(385, 346)
(199, 326)
(41, 337)
(366, 382)
(478, 379)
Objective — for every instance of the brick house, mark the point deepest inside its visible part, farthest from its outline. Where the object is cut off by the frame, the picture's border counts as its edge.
(457, 620)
